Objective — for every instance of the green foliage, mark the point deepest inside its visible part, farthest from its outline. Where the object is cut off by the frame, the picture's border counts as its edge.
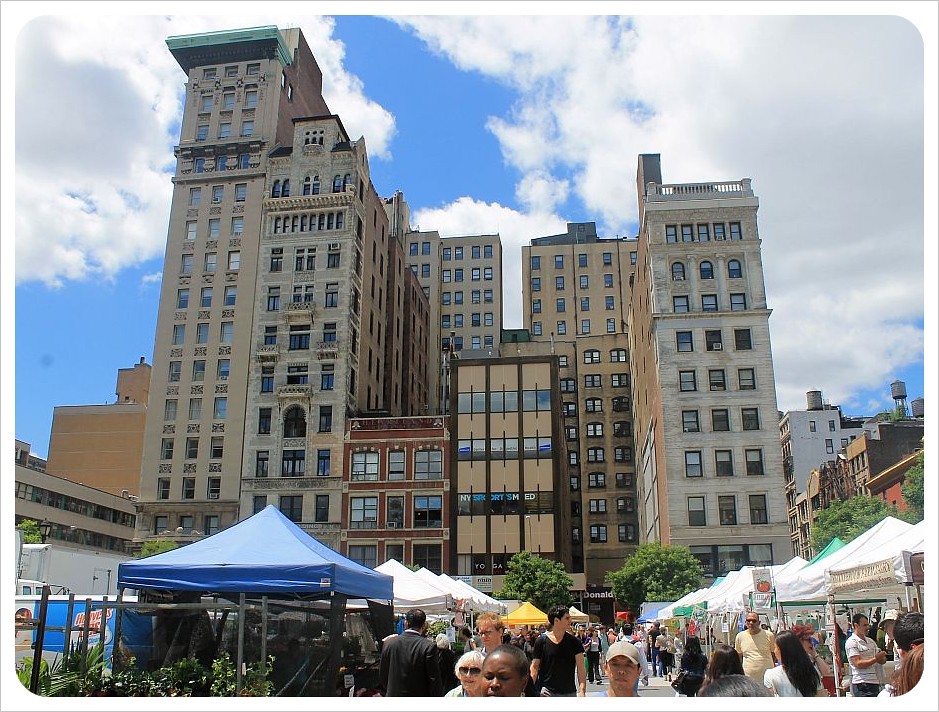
(912, 490)
(71, 675)
(540, 581)
(254, 681)
(848, 518)
(655, 573)
(437, 627)
(30, 529)
(155, 546)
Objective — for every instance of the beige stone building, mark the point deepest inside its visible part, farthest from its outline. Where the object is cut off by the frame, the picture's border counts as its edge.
(286, 304)
(705, 418)
(575, 292)
(101, 445)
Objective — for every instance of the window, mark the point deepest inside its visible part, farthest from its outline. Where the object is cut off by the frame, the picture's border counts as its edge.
(231, 293)
(326, 419)
(680, 304)
(703, 234)
(223, 369)
(727, 510)
(593, 381)
(191, 229)
(428, 465)
(596, 454)
(202, 130)
(706, 269)
(585, 326)
(738, 302)
(215, 227)
(273, 298)
(593, 405)
(220, 409)
(327, 378)
(584, 281)
(686, 381)
(210, 262)
(724, 463)
(594, 430)
(693, 466)
(713, 339)
(323, 463)
(689, 421)
(671, 233)
(237, 225)
(475, 274)
(169, 409)
(734, 270)
(195, 408)
(428, 512)
(685, 340)
(247, 128)
(535, 283)
(188, 490)
(293, 463)
(179, 334)
(592, 356)
(166, 449)
(597, 533)
(559, 284)
(291, 506)
(596, 480)
(241, 191)
(321, 508)
(234, 261)
(831, 426)
(678, 272)
(597, 506)
(244, 162)
(251, 98)
(559, 261)
(295, 422)
(696, 514)
(720, 420)
(812, 427)
(487, 274)
(585, 304)
(751, 418)
(709, 302)
(758, 513)
(217, 447)
(329, 332)
(622, 429)
(754, 460)
(716, 380)
(175, 370)
(226, 329)
(746, 379)
(262, 463)
(365, 466)
(224, 129)
(687, 233)
(458, 274)
(735, 233)
(185, 266)
(198, 370)
(742, 340)
(264, 421)
(829, 446)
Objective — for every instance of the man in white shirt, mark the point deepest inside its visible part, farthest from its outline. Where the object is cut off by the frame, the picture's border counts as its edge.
(863, 657)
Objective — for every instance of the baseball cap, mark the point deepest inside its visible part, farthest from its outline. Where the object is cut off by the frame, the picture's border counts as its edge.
(891, 615)
(621, 647)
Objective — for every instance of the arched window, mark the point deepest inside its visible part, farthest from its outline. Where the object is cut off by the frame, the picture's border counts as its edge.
(329, 221)
(294, 223)
(295, 423)
(303, 223)
(338, 221)
(286, 189)
(316, 185)
(707, 270)
(306, 185)
(275, 191)
(734, 269)
(678, 272)
(337, 183)
(346, 180)
(276, 225)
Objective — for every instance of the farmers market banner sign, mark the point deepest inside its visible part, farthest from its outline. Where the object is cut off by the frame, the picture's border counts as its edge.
(879, 573)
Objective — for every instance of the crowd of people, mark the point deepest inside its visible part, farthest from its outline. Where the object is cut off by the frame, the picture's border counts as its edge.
(557, 660)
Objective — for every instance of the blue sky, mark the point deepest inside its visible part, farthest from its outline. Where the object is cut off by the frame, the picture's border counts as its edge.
(496, 124)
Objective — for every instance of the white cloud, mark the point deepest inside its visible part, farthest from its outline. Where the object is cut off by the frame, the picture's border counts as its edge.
(98, 103)
(825, 114)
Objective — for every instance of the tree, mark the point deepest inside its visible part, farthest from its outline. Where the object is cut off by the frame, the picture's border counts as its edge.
(846, 519)
(30, 529)
(912, 490)
(540, 581)
(655, 573)
(155, 546)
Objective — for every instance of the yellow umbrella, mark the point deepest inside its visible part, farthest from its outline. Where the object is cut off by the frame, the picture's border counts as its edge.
(525, 614)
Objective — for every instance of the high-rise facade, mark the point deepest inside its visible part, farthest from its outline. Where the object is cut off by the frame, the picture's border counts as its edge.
(575, 293)
(286, 305)
(705, 417)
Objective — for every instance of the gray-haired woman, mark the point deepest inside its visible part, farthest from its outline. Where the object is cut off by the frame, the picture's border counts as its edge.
(467, 670)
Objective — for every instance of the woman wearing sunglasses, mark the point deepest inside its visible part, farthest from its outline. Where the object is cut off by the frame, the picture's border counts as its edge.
(467, 669)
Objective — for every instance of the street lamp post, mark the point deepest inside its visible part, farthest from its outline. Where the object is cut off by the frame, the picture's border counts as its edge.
(45, 528)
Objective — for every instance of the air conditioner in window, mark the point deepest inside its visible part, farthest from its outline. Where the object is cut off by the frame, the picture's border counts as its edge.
(717, 347)
(678, 278)
(393, 525)
(213, 495)
(216, 200)
(334, 246)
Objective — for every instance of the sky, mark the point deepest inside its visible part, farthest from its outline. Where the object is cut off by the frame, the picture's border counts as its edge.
(495, 123)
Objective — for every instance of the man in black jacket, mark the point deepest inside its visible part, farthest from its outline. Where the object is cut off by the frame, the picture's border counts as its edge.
(409, 662)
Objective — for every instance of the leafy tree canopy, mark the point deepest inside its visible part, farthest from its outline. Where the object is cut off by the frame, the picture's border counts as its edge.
(30, 529)
(847, 519)
(538, 580)
(655, 573)
(155, 546)
(912, 490)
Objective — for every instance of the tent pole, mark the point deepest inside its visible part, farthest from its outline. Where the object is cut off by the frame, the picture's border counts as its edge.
(264, 636)
(116, 661)
(241, 642)
(908, 590)
(836, 646)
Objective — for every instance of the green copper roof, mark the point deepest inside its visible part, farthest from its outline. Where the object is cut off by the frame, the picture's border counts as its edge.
(187, 48)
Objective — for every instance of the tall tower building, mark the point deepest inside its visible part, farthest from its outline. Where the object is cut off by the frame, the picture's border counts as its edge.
(575, 296)
(705, 419)
(281, 308)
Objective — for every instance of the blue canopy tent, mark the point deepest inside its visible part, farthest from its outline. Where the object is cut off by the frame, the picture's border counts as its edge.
(281, 577)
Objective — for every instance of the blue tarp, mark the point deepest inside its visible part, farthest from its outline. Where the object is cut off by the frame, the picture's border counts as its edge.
(263, 554)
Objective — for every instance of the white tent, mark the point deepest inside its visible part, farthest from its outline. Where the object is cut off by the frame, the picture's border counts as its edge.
(810, 583)
(689, 599)
(731, 598)
(482, 601)
(413, 591)
(882, 566)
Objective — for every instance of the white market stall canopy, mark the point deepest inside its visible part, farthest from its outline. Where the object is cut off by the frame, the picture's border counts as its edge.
(730, 599)
(884, 565)
(413, 591)
(811, 582)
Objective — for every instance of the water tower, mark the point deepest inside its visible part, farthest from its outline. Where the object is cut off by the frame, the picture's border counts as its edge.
(918, 406)
(813, 400)
(898, 393)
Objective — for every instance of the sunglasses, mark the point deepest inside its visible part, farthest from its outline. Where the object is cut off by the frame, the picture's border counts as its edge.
(469, 670)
